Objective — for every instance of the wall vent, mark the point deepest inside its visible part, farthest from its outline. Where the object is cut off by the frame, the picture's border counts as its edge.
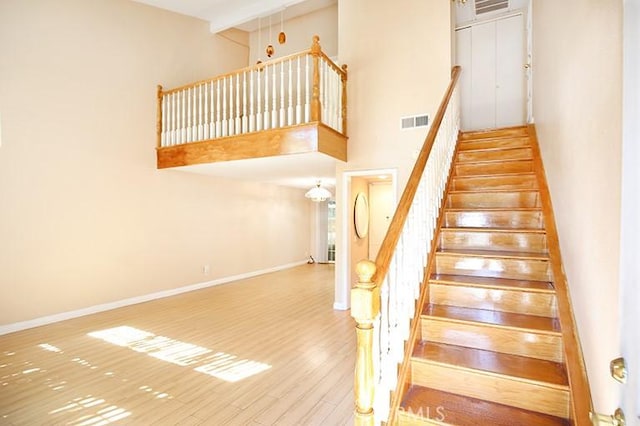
(414, 121)
(486, 6)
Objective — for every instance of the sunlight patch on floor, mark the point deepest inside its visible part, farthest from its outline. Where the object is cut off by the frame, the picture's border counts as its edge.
(106, 415)
(220, 365)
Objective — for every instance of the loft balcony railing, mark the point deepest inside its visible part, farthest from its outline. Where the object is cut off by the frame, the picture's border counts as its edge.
(299, 89)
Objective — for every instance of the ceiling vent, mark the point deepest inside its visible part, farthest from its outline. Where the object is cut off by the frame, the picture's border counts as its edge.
(486, 6)
(414, 121)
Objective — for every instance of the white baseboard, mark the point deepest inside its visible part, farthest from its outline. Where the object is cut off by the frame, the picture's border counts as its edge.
(23, 325)
(339, 306)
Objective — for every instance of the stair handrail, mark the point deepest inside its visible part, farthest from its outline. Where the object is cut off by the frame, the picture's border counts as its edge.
(300, 88)
(581, 405)
(414, 220)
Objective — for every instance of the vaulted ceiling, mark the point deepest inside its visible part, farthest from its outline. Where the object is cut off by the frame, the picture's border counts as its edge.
(243, 14)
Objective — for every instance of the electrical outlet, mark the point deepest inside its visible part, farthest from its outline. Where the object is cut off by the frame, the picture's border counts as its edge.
(206, 269)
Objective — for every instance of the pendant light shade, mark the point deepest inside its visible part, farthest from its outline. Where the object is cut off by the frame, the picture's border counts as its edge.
(318, 193)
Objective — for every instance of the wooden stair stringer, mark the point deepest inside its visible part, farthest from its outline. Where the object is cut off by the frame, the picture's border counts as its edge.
(581, 402)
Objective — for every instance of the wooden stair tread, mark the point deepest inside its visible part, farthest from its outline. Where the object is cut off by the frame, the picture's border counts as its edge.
(496, 148)
(495, 253)
(498, 160)
(519, 367)
(491, 191)
(468, 280)
(492, 209)
(492, 318)
(496, 175)
(495, 230)
(461, 410)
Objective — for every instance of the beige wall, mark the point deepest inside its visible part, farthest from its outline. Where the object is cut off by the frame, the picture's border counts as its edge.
(300, 32)
(85, 218)
(577, 107)
(399, 58)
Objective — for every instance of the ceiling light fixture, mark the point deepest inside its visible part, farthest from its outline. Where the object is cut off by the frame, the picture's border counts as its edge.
(318, 193)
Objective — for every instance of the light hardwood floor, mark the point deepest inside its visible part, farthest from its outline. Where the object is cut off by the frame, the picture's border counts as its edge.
(173, 361)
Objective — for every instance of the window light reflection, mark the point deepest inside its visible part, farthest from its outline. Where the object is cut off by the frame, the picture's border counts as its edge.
(220, 365)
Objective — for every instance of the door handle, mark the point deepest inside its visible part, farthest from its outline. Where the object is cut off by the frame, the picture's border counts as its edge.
(617, 419)
(618, 368)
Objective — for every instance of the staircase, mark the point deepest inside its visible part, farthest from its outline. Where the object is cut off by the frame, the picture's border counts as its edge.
(489, 348)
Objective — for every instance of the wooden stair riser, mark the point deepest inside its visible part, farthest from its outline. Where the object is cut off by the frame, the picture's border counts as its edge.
(503, 300)
(492, 168)
(478, 183)
(473, 145)
(515, 341)
(531, 242)
(497, 199)
(513, 132)
(497, 267)
(528, 395)
(513, 219)
(494, 155)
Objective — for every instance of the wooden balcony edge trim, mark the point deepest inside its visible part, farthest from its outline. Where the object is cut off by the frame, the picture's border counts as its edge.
(298, 139)
(581, 402)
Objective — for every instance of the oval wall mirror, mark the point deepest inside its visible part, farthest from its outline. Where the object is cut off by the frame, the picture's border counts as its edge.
(361, 215)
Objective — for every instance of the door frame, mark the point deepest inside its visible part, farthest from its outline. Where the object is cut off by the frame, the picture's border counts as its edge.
(343, 258)
(527, 17)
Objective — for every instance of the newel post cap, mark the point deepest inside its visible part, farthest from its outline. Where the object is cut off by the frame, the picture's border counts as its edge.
(365, 269)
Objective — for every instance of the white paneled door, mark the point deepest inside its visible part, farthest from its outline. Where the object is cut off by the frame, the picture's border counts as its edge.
(493, 86)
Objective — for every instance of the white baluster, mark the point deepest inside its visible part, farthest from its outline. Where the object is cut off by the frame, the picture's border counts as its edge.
(252, 126)
(231, 121)
(174, 118)
(218, 111)
(298, 93)
(225, 121)
(259, 99)
(274, 98)
(266, 98)
(307, 91)
(205, 121)
(282, 104)
(194, 115)
(163, 127)
(245, 122)
(183, 121)
(189, 116)
(212, 120)
(238, 106)
(290, 91)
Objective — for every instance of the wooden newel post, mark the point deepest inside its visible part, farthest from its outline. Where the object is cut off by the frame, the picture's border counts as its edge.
(159, 118)
(344, 100)
(315, 88)
(365, 306)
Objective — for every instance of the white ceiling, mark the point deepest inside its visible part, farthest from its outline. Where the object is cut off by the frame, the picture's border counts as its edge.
(295, 170)
(243, 14)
